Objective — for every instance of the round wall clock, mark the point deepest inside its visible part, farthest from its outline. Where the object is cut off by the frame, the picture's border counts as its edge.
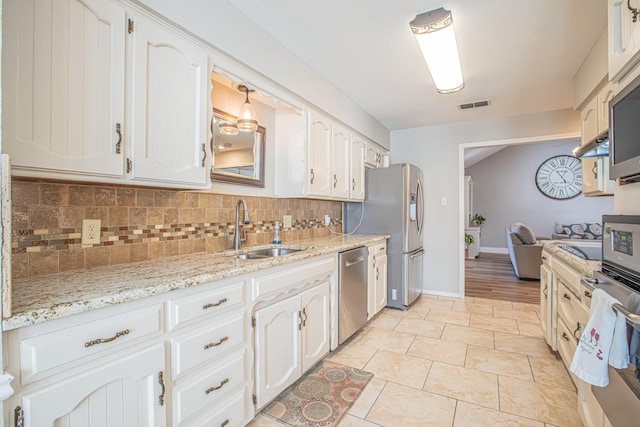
(560, 177)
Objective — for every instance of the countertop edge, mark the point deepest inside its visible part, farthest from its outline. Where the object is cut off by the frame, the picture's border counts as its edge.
(104, 298)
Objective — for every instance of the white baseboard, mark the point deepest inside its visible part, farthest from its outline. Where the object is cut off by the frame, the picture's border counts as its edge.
(443, 294)
(493, 250)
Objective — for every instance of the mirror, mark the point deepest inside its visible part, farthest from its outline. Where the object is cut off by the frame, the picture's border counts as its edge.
(238, 158)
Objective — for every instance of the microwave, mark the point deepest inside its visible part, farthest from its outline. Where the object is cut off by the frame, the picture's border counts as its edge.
(624, 134)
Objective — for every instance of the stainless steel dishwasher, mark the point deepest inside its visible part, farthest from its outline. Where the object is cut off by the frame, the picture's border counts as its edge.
(352, 292)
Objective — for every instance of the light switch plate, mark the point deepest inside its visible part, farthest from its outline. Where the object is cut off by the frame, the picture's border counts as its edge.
(90, 231)
(286, 221)
(327, 220)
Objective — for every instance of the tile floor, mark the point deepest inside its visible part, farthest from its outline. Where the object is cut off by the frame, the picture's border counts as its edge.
(457, 362)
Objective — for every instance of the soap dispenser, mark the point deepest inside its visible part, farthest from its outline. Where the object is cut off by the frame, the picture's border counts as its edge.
(276, 236)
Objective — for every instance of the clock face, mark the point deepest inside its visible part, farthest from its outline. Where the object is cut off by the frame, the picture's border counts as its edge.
(560, 177)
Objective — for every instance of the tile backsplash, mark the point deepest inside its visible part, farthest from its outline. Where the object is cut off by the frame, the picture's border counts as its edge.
(141, 223)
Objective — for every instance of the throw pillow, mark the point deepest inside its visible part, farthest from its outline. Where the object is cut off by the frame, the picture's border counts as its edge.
(523, 232)
(574, 231)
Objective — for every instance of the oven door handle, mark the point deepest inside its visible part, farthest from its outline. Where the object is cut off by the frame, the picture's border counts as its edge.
(590, 283)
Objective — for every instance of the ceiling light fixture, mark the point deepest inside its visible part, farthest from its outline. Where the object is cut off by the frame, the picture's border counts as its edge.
(247, 119)
(434, 32)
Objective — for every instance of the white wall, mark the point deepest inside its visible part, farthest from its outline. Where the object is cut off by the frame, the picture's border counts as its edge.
(504, 192)
(436, 150)
(222, 25)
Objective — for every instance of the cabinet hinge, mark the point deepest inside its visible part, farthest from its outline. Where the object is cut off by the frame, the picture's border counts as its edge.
(19, 415)
(130, 26)
(253, 321)
(255, 399)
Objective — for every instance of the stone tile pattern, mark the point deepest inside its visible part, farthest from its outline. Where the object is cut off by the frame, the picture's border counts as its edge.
(140, 224)
(458, 362)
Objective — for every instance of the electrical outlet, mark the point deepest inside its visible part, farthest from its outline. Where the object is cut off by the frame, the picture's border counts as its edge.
(286, 221)
(327, 220)
(90, 231)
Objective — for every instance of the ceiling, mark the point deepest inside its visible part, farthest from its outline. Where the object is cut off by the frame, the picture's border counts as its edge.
(519, 55)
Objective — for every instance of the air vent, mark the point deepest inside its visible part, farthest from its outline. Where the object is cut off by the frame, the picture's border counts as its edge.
(476, 104)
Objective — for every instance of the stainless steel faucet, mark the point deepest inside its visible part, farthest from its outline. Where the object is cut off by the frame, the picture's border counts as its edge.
(237, 241)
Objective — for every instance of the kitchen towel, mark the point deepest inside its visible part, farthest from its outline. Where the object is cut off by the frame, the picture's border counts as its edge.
(604, 336)
(633, 304)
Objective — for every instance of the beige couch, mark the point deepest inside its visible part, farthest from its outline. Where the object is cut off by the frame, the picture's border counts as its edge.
(525, 251)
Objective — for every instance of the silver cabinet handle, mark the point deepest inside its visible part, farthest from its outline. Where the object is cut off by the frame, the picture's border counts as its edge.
(312, 176)
(577, 331)
(545, 291)
(218, 387)
(215, 344)
(225, 423)
(214, 304)
(104, 340)
(204, 155)
(335, 180)
(304, 312)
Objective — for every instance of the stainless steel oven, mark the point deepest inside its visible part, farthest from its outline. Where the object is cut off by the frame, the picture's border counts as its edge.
(620, 277)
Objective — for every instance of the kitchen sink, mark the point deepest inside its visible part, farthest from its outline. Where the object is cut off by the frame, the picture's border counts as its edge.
(269, 253)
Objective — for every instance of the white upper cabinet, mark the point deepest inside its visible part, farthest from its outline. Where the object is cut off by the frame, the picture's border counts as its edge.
(63, 87)
(319, 179)
(169, 125)
(340, 163)
(624, 38)
(356, 170)
(374, 155)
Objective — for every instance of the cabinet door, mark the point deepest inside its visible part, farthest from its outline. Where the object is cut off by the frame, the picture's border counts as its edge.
(341, 185)
(316, 325)
(589, 120)
(277, 348)
(356, 169)
(624, 39)
(169, 90)
(381, 282)
(125, 392)
(320, 176)
(545, 304)
(604, 96)
(63, 87)
(371, 282)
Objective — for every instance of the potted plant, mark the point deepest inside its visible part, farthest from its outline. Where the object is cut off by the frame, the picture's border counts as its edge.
(468, 240)
(478, 219)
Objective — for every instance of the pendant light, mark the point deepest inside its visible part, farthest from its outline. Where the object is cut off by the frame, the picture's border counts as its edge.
(247, 119)
(227, 128)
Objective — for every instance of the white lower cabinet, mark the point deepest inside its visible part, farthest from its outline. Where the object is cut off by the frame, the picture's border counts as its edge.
(127, 392)
(377, 280)
(290, 336)
(546, 305)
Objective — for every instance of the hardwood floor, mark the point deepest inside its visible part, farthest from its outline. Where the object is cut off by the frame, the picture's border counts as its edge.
(491, 276)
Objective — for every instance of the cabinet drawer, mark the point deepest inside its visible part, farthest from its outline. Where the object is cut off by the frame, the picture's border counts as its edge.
(568, 305)
(378, 249)
(40, 355)
(302, 275)
(569, 276)
(206, 303)
(230, 413)
(193, 348)
(208, 389)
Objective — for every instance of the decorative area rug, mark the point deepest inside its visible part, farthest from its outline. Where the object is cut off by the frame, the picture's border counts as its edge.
(321, 397)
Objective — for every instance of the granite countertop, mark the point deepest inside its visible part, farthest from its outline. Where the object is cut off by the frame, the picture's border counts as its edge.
(584, 266)
(37, 299)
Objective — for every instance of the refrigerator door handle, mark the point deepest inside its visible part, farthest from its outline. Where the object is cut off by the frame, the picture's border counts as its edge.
(419, 207)
(417, 254)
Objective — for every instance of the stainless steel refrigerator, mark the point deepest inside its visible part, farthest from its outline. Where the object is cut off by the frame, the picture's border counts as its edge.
(394, 205)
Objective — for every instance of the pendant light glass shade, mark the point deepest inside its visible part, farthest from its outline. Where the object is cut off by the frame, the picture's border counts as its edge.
(227, 128)
(247, 119)
(437, 40)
